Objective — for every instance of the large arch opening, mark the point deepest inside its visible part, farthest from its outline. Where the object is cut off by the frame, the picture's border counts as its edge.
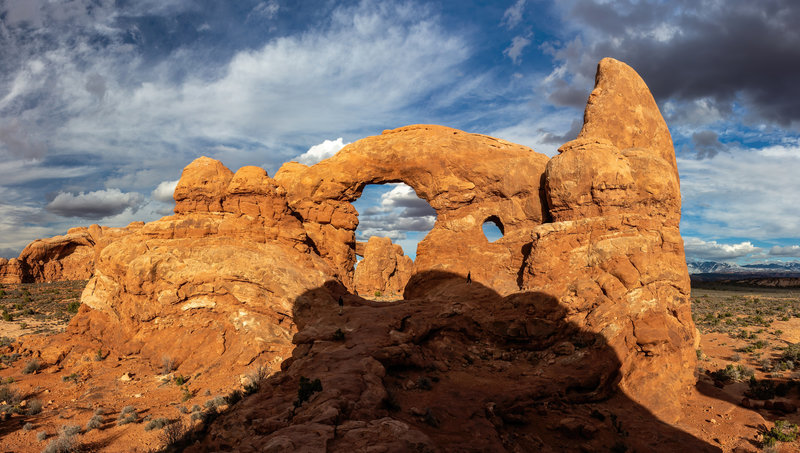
(393, 211)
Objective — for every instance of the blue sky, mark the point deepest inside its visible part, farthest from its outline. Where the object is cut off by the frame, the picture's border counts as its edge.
(102, 102)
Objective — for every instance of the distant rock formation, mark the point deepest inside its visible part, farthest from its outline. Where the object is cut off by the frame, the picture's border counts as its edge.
(589, 276)
(384, 269)
(67, 257)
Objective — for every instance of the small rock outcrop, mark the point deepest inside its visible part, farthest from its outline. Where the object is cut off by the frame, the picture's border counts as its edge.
(384, 269)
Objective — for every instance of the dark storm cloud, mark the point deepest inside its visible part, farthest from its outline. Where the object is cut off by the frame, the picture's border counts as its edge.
(707, 144)
(560, 139)
(728, 51)
(94, 205)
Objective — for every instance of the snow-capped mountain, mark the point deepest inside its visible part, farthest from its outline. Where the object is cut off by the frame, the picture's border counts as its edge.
(775, 268)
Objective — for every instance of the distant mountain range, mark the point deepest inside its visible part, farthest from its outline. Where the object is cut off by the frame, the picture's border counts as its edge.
(788, 271)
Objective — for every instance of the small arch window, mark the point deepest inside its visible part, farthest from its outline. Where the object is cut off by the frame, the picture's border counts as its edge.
(493, 228)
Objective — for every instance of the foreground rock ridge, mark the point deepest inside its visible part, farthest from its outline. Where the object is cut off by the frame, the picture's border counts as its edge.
(581, 308)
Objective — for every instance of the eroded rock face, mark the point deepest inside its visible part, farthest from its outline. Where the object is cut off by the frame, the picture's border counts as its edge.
(67, 257)
(588, 286)
(384, 269)
(613, 255)
(228, 267)
(466, 178)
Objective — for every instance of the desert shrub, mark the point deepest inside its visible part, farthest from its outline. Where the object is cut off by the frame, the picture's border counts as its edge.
(256, 379)
(70, 430)
(180, 379)
(7, 316)
(234, 397)
(209, 415)
(186, 394)
(5, 341)
(31, 367)
(378, 294)
(196, 408)
(760, 390)
(306, 388)
(10, 395)
(791, 353)
(95, 422)
(28, 426)
(338, 335)
(732, 373)
(783, 431)
(65, 442)
(214, 402)
(167, 365)
(34, 406)
(157, 423)
(100, 411)
(41, 435)
(99, 357)
(70, 377)
(73, 306)
(736, 357)
(128, 415)
(173, 433)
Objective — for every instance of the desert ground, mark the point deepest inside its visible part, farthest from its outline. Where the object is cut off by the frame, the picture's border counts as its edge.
(747, 390)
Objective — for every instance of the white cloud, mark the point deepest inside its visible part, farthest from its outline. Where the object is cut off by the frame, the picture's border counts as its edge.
(789, 250)
(164, 191)
(697, 248)
(265, 10)
(514, 51)
(513, 15)
(321, 151)
(742, 193)
(24, 171)
(94, 205)
(399, 212)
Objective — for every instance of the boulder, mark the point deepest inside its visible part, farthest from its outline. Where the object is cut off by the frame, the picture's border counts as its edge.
(384, 269)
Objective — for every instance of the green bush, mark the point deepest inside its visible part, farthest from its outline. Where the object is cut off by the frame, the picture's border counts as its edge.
(73, 306)
(306, 388)
(732, 373)
(783, 431)
(760, 390)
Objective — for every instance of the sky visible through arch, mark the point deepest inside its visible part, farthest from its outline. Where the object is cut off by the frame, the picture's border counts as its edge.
(103, 102)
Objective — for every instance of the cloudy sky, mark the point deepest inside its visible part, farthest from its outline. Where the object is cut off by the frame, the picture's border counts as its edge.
(103, 102)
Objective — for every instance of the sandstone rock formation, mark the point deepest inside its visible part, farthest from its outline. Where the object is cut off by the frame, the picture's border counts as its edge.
(584, 299)
(221, 276)
(67, 257)
(384, 269)
(466, 178)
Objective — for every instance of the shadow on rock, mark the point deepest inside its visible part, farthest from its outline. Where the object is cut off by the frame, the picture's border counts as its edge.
(453, 367)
